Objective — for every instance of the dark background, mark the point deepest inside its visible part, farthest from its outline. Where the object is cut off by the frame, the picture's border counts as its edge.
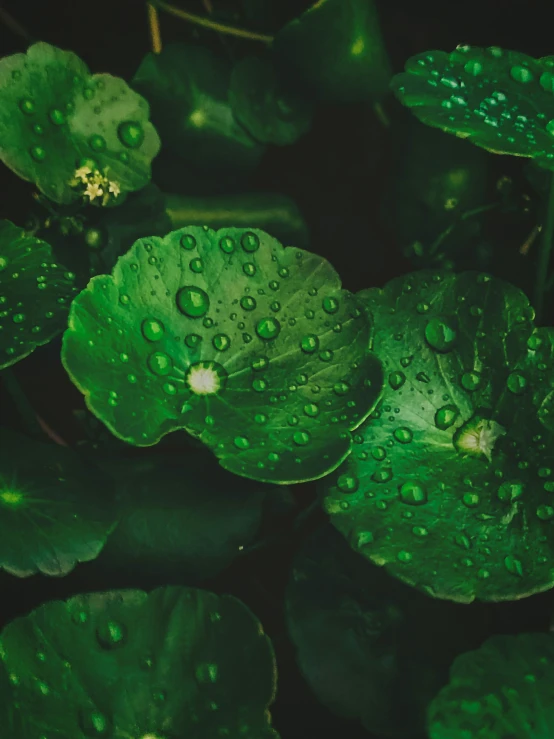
(336, 175)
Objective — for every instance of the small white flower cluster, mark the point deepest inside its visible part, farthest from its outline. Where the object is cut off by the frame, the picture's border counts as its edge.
(96, 184)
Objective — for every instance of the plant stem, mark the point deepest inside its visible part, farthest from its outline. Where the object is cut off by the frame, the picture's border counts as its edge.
(545, 248)
(154, 25)
(8, 20)
(21, 402)
(200, 20)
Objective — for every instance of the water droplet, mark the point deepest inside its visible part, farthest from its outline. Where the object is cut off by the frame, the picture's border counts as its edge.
(241, 442)
(545, 512)
(124, 299)
(440, 334)
(111, 634)
(348, 483)
(188, 242)
(423, 377)
(513, 565)
(152, 329)
(403, 435)
(259, 363)
(341, 388)
(330, 305)
(406, 361)
(27, 106)
(97, 143)
(131, 134)
(470, 500)
(301, 438)
(57, 117)
(446, 416)
(196, 265)
(38, 153)
(311, 409)
(412, 493)
(550, 127)
(250, 242)
(378, 453)
(207, 673)
(396, 380)
(260, 418)
(221, 342)
(268, 328)
(382, 475)
(517, 383)
(404, 556)
(18, 317)
(309, 343)
(193, 301)
(3, 263)
(510, 491)
(521, 74)
(249, 269)
(93, 723)
(160, 363)
(227, 245)
(247, 303)
(259, 385)
(471, 381)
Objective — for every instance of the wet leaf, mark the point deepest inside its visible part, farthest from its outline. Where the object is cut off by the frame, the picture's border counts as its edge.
(251, 347)
(75, 135)
(450, 482)
(500, 100)
(165, 664)
(55, 509)
(335, 52)
(204, 148)
(504, 689)
(263, 105)
(35, 294)
(353, 626)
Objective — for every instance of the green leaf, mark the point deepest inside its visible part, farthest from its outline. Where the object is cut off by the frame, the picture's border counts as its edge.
(502, 690)
(336, 52)
(56, 118)
(263, 105)
(451, 484)
(35, 294)
(275, 213)
(251, 347)
(125, 663)
(204, 148)
(55, 509)
(500, 100)
(191, 518)
(353, 627)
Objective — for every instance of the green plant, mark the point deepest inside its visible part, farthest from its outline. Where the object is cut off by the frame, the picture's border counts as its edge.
(234, 391)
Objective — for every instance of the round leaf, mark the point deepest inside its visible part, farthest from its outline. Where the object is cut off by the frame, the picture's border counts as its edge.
(56, 119)
(55, 509)
(353, 627)
(35, 294)
(500, 100)
(130, 664)
(451, 484)
(191, 518)
(271, 114)
(335, 51)
(251, 347)
(204, 148)
(503, 690)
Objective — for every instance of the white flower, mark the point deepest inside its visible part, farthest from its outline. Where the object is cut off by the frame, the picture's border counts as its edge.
(114, 189)
(82, 173)
(93, 190)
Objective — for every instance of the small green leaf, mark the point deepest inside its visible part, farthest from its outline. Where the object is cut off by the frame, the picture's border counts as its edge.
(452, 479)
(353, 627)
(35, 294)
(501, 100)
(55, 509)
(503, 689)
(72, 133)
(191, 518)
(262, 104)
(251, 347)
(204, 148)
(335, 52)
(125, 663)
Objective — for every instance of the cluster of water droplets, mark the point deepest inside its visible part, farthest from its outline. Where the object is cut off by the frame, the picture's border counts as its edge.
(493, 499)
(486, 86)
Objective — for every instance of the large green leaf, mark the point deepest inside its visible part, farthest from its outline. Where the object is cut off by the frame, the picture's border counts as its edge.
(370, 647)
(504, 690)
(204, 148)
(55, 509)
(35, 294)
(163, 665)
(501, 100)
(190, 518)
(249, 346)
(269, 111)
(451, 481)
(72, 133)
(335, 52)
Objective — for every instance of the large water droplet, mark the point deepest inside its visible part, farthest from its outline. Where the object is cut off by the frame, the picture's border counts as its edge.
(268, 328)
(221, 342)
(404, 435)
(160, 363)
(111, 634)
(152, 329)
(446, 416)
(520, 73)
(510, 491)
(131, 134)
(57, 117)
(250, 242)
(440, 334)
(412, 493)
(301, 438)
(396, 380)
(193, 301)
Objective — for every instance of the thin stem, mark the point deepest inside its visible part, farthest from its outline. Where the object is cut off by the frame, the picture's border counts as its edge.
(21, 402)
(154, 26)
(381, 114)
(545, 248)
(200, 20)
(8, 20)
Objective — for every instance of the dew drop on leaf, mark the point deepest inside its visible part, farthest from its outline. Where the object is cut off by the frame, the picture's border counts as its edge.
(111, 634)
(159, 363)
(446, 416)
(440, 335)
(131, 134)
(97, 142)
(152, 329)
(192, 301)
(268, 328)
